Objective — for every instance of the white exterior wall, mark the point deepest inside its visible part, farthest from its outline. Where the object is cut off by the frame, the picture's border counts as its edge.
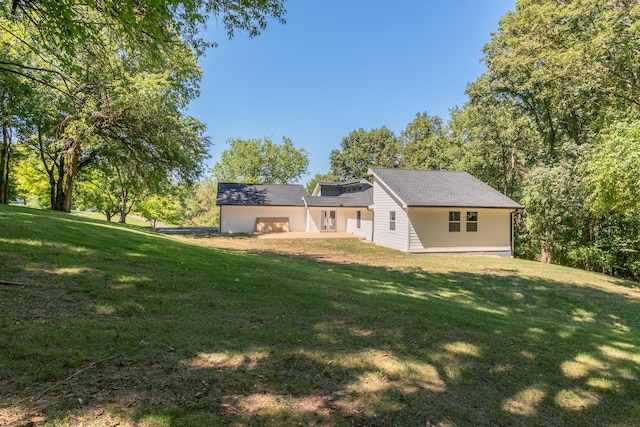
(313, 220)
(242, 219)
(366, 222)
(429, 231)
(383, 203)
(345, 220)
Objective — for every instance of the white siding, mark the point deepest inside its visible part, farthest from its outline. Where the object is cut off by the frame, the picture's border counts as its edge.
(383, 203)
(313, 220)
(429, 231)
(366, 223)
(242, 219)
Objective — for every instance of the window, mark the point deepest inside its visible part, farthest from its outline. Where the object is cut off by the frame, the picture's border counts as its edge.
(392, 220)
(358, 219)
(454, 221)
(472, 221)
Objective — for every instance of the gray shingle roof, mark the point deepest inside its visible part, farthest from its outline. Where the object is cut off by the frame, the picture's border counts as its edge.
(358, 199)
(441, 188)
(260, 194)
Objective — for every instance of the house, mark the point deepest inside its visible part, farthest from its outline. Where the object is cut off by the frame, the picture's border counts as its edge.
(341, 207)
(414, 211)
(245, 207)
(440, 211)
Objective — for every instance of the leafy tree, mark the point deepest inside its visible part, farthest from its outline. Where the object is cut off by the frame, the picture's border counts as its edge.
(555, 206)
(426, 145)
(362, 149)
(121, 74)
(160, 208)
(114, 188)
(17, 102)
(568, 65)
(261, 161)
(93, 192)
(199, 205)
(614, 166)
(145, 27)
(494, 141)
(30, 177)
(320, 177)
(559, 75)
(129, 113)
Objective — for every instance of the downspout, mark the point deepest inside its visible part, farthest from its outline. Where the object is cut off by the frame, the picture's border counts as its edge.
(220, 220)
(372, 221)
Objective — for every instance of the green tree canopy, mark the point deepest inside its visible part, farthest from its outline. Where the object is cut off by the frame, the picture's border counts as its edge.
(199, 203)
(261, 161)
(320, 177)
(121, 109)
(362, 149)
(146, 26)
(425, 144)
(614, 170)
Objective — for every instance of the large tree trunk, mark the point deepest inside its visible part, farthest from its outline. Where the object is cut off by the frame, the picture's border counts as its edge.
(5, 157)
(124, 210)
(72, 171)
(545, 255)
(57, 187)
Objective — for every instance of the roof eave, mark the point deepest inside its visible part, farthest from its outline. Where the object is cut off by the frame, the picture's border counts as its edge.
(377, 178)
(466, 206)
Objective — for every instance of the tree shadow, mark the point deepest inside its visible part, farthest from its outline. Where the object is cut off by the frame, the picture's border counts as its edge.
(200, 336)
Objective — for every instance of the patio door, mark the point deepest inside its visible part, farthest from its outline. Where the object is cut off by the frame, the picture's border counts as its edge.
(328, 220)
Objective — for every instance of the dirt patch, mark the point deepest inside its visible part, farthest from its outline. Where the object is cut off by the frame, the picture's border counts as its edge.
(340, 250)
(336, 249)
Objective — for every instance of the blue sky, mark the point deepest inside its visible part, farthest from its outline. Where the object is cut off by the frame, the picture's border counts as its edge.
(340, 65)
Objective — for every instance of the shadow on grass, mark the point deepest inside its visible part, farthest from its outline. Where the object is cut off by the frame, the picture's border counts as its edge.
(187, 335)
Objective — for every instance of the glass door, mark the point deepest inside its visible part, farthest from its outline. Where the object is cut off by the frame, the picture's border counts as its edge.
(328, 220)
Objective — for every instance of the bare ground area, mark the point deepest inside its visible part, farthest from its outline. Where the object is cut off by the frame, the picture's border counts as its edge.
(341, 248)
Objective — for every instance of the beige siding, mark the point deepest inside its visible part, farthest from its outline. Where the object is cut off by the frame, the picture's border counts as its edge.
(345, 220)
(313, 220)
(242, 219)
(429, 231)
(383, 203)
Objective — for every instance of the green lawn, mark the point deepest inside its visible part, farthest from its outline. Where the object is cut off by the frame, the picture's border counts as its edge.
(131, 220)
(106, 324)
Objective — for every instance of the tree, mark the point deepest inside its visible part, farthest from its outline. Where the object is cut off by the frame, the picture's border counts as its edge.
(495, 142)
(199, 204)
(160, 208)
(320, 177)
(92, 54)
(30, 177)
(425, 144)
(95, 192)
(114, 188)
(614, 166)
(569, 65)
(261, 161)
(17, 103)
(146, 27)
(362, 149)
(555, 206)
(123, 112)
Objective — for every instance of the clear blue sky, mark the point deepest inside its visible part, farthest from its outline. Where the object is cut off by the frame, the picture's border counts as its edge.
(340, 65)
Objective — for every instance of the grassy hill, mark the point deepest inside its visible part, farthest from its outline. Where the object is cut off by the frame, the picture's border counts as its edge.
(107, 324)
